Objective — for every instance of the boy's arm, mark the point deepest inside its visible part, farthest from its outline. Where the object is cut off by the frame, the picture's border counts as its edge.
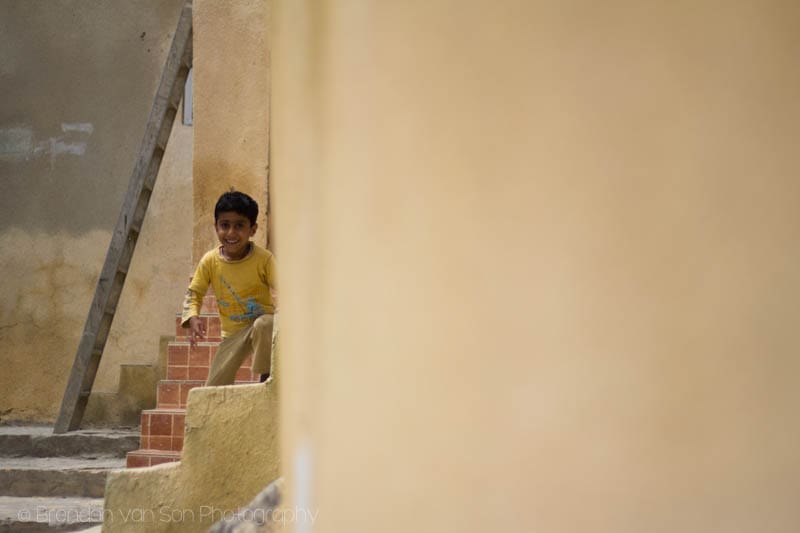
(192, 303)
(190, 318)
(274, 293)
(272, 280)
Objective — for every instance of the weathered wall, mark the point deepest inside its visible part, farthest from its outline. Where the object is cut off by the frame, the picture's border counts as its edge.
(231, 124)
(230, 453)
(77, 80)
(231, 447)
(540, 264)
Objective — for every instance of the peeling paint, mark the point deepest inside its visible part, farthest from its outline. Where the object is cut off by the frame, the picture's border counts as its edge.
(83, 127)
(49, 281)
(18, 143)
(55, 146)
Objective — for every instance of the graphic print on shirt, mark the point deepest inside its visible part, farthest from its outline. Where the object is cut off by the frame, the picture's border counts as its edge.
(252, 309)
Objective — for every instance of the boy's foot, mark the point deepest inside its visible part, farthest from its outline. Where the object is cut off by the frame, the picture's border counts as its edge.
(263, 378)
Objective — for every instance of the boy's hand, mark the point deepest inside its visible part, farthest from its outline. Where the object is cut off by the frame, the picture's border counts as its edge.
(197, 331)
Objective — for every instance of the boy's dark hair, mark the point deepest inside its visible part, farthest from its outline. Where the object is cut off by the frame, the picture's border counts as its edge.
(238, 202)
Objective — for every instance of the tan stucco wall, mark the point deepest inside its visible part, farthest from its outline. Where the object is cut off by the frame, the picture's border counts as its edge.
(230, 453)
(231, 105)
(160, 268)
(94, 65)
(231, 447)
(540, 264)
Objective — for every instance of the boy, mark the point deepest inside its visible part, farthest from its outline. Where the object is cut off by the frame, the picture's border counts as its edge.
(243, 276)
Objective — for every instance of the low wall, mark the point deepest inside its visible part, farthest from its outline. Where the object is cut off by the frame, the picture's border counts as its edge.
(229, 455)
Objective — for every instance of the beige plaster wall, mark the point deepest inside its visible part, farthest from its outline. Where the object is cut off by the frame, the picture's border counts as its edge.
(540, 264)
(160, 269)
(231, 124)
(230, 453)
(78, 80)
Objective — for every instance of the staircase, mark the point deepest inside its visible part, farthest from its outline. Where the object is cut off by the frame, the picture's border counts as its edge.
(56, 482)
(163, 427)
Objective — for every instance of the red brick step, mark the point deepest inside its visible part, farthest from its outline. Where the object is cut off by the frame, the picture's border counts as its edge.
(211, 323)
(192, 364)
(140, 458)
(173, 393)
(163, 427)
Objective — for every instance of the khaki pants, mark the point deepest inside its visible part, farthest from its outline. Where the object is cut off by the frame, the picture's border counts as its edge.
(255, 339)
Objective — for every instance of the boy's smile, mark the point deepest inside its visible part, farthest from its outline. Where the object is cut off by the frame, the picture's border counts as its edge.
(234, 232)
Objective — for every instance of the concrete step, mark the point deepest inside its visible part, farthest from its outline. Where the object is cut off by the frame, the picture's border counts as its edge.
(39, 514)
(56, 476)
(39, 441)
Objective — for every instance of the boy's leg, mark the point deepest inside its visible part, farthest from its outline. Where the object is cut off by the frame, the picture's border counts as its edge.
(261, 340)
(230, 354)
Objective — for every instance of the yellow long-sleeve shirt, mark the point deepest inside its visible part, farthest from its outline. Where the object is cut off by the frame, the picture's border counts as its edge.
(242, 288)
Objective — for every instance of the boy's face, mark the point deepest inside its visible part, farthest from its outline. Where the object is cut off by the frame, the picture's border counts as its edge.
(234, 232)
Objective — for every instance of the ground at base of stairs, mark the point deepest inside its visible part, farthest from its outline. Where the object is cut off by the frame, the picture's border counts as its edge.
(56, 476)
(49, 514)
(55, 482)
